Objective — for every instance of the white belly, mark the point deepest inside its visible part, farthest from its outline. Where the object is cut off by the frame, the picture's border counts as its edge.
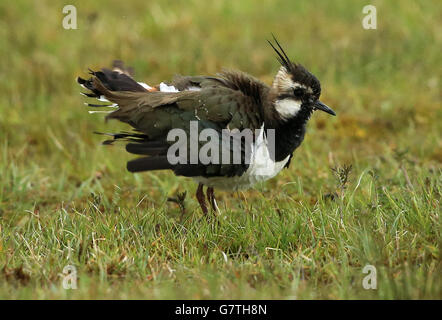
(261, 168)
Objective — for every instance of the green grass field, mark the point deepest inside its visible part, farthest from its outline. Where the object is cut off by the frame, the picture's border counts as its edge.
(67, 200)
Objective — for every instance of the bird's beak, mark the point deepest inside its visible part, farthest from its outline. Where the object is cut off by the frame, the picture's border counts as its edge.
(323, 107)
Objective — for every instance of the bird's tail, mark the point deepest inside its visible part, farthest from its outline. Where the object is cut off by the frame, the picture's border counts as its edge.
(118, 78)
(115, 87)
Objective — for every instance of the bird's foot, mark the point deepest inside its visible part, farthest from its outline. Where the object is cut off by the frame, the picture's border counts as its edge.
(212, 200)
(201, 198)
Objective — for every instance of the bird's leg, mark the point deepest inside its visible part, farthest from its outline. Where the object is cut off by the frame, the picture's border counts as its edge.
(212, 200)
(201, 198)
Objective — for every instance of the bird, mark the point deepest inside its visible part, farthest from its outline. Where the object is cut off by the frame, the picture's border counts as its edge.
(230, 101)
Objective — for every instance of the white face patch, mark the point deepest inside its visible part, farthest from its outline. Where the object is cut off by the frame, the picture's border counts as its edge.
(283, 81)
(287, 108)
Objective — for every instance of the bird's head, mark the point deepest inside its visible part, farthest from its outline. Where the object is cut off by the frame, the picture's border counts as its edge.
(295, 89)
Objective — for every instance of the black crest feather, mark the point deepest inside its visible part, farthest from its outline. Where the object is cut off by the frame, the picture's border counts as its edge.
(282, 56)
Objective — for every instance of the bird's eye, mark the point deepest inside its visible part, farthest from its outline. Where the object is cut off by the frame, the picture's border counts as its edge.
(298, 92)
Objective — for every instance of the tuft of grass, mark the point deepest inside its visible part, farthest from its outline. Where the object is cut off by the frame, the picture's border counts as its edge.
(307, 234)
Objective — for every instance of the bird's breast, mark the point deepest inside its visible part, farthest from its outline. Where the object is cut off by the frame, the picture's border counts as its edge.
(262, 166)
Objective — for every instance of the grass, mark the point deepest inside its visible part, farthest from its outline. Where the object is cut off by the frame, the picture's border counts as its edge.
(67, 200)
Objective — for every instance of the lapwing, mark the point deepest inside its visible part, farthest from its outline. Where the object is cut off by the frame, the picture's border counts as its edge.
(230, 101)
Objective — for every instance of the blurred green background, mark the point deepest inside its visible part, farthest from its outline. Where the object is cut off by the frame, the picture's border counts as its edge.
(61, 190)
